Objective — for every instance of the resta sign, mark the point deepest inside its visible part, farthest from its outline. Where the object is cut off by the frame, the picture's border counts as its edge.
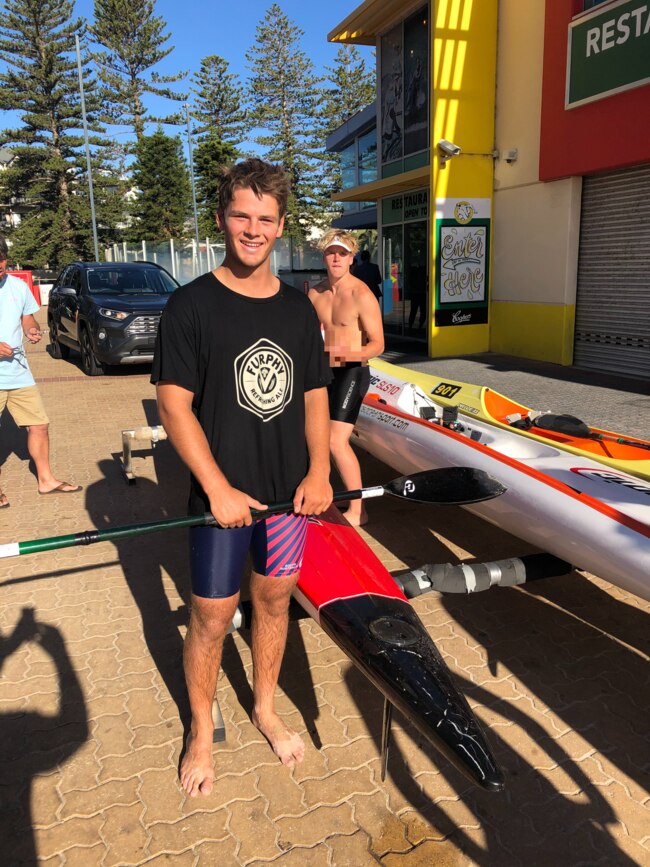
(608, 52)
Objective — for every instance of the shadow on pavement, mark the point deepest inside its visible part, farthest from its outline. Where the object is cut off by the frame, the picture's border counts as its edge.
(32, 743)
(13, 440)
(295, 679)
(573, 646)
(147, 560)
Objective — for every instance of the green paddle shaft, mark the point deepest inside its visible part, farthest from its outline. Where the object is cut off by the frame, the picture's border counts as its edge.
(90, 537)
(444, 486)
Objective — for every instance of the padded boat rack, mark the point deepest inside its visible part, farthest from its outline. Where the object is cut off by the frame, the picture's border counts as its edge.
(152, 435)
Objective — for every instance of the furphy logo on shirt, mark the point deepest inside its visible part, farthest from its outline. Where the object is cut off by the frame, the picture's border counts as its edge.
(264, 376)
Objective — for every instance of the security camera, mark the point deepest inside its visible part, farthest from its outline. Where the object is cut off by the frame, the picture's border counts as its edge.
(448, 148)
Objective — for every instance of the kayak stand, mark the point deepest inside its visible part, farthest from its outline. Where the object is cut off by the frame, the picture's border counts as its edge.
(152, 435)
(385, 736)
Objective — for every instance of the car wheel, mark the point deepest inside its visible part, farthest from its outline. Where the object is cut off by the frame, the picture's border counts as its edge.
(89, 364)
(58, 350)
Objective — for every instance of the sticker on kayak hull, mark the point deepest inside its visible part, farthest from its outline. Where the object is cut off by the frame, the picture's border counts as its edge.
(611, 477)
(446, 389)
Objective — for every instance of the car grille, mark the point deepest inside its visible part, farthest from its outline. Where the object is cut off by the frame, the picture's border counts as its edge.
(143, 325)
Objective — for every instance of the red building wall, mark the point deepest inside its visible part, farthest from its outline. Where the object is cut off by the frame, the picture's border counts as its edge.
(609, 133)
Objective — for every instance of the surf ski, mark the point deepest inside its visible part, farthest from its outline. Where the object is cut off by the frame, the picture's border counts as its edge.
(588, 514)
(628, 454)
(348, 591)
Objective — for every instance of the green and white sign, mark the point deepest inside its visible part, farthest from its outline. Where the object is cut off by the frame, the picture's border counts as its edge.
(608, 52)
(405, 207)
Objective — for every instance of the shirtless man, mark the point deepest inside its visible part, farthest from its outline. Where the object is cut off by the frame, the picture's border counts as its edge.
(351, 319)
(241, 381)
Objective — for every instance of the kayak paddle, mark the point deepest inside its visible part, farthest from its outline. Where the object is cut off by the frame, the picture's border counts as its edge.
(448, 486)
(571, 426)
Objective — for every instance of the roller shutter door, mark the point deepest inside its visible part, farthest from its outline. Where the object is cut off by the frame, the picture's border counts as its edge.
(613, 299)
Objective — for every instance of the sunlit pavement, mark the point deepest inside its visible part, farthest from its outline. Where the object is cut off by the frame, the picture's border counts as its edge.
(92, 692)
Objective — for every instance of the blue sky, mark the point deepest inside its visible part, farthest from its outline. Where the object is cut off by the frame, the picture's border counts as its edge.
(198, 28)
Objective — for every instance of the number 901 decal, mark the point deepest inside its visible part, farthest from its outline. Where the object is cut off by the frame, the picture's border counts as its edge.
(445, 389)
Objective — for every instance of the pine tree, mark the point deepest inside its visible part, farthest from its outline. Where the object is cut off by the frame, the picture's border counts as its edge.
(352, 86)
(41, 83)
(349, 87)
(134, 41)
(219, 104)
(210, 155)
(163, 205)
(284, 94)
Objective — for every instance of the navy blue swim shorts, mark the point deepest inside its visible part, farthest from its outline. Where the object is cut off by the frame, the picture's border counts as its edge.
(218, 555)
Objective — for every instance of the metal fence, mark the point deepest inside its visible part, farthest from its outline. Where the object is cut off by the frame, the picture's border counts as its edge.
(185, 260)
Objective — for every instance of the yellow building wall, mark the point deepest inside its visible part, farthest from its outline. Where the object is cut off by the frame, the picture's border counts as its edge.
(536, 226)
(463, 48)
(540, 331)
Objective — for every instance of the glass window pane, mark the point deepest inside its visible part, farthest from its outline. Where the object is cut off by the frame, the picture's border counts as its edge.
(349, 167)
(391, 95)
(416, 82)
(393, 271)
(368, 157)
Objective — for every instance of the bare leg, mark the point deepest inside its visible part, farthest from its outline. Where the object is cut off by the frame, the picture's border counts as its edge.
(271, 598)
(38, 445)
(348, 466)
(210, 620)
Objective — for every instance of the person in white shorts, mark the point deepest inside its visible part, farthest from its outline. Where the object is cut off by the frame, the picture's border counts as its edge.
(18, 391)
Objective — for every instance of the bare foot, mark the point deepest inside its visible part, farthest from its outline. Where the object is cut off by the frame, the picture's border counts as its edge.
(197, 767)
(288, 746)
(356, 519)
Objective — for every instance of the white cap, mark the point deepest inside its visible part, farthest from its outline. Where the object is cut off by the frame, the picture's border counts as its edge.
(338, 242)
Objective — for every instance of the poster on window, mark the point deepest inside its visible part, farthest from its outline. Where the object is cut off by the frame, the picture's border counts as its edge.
(391, 95)
(416, 82)
(462, 262)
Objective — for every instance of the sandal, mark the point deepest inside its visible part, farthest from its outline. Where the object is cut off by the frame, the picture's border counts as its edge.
(60, 489)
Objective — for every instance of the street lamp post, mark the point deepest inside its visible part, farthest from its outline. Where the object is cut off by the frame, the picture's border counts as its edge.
(189, 147)
(88, 163)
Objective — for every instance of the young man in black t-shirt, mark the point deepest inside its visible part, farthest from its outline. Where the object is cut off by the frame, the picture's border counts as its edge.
(242, 381)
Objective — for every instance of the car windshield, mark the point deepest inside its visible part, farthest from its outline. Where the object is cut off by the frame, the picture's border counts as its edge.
(129, 281)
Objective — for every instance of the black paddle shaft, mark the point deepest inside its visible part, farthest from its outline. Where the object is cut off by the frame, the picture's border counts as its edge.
(444, 487)
(449, 486)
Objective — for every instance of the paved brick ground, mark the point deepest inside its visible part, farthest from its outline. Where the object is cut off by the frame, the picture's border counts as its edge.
(92, 701)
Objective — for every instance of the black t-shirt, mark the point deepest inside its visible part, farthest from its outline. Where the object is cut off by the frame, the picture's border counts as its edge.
(248, 362)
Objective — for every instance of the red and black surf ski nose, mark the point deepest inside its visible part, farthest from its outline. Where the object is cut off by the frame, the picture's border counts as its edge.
(387, 640)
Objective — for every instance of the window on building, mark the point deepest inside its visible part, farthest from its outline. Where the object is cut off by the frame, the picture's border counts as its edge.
(416, 82)
(404, 83)
(391, 95)
(367, 144)
(349, 172)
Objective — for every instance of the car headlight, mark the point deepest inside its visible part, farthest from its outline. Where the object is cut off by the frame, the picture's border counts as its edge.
(112, 314)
